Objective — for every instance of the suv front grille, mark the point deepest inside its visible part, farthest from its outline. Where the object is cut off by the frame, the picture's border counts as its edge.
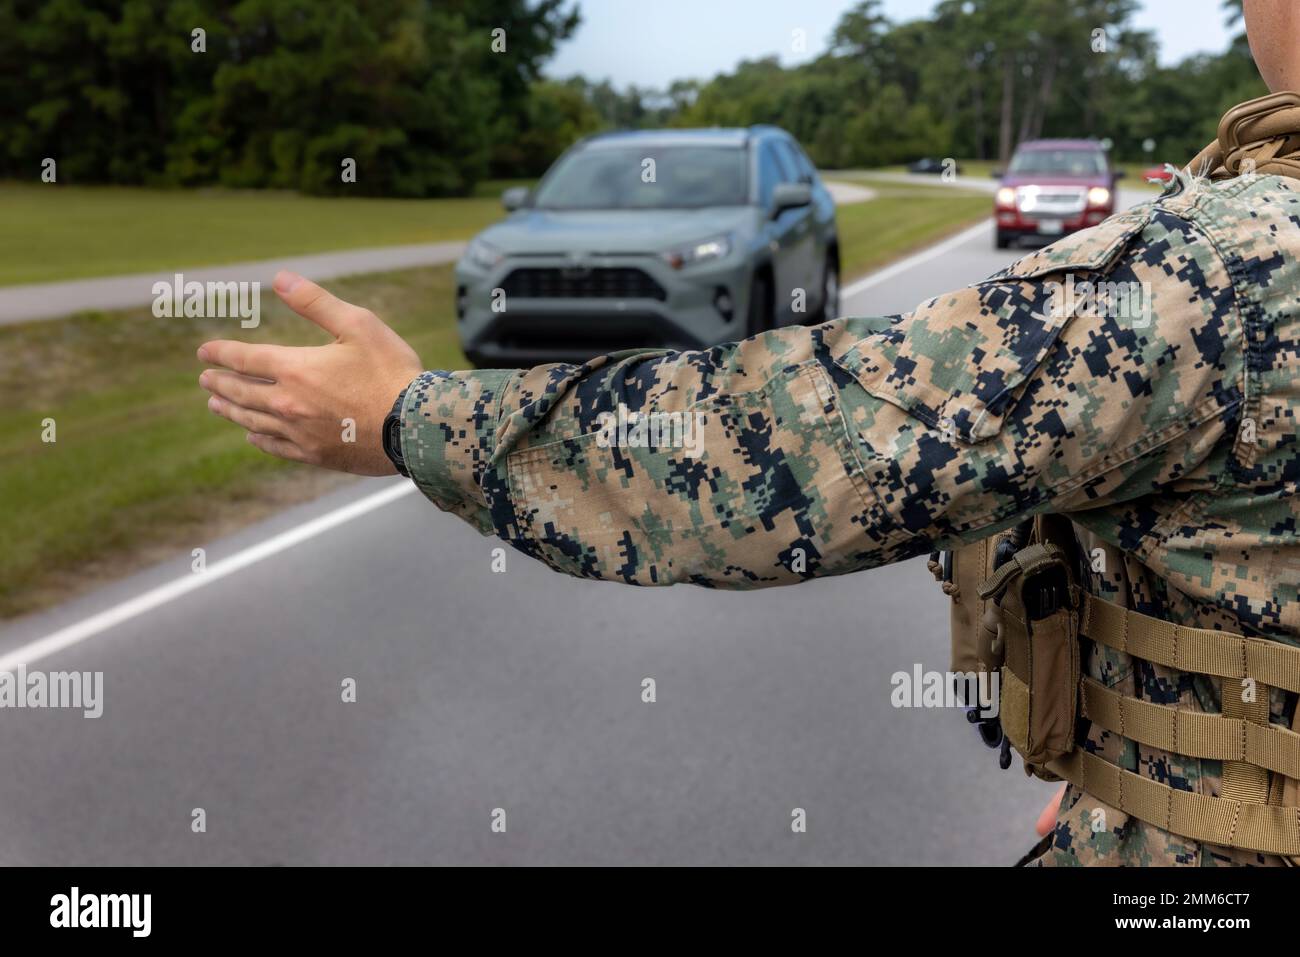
(603, 282)
(1051, 200)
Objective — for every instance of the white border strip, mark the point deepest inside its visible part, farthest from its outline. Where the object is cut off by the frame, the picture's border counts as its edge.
(34, 651)
(892, 270)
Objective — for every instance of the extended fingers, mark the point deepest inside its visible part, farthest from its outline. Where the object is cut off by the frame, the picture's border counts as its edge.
(263, 361)
(281, 448)
(239, 389)
(250, 419)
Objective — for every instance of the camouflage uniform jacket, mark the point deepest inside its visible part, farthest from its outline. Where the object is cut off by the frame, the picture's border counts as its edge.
(1169, 439)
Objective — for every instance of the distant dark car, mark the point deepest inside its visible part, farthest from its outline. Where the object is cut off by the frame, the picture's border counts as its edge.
(930, 165)
(1054, 187)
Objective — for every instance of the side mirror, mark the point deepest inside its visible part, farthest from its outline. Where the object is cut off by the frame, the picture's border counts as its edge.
(514, 198)
(996, 173)
(1118, 174)
(789, 196)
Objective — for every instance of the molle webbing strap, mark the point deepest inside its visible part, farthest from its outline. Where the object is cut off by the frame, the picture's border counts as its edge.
(1026, 562)
(1266, 828)
(1241, 737)
(1242, 779)
(1193, 733)
(1218, 653)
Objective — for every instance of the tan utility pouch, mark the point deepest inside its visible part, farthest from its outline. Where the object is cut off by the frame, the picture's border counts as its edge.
(1037, 609)
(974, 630)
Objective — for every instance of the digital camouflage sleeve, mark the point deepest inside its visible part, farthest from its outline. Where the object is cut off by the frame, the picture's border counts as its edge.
(862, 441)
(1141, 377)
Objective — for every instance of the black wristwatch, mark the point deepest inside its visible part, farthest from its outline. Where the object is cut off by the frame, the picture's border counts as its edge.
(393, 435)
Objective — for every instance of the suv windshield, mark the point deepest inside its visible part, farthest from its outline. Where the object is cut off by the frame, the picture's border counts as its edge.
(1059, 162)
(684, 177)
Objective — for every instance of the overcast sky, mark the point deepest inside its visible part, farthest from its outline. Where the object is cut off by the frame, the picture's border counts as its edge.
(652, 42)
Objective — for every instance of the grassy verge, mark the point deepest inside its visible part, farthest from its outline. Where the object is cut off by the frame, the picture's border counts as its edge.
(141, 471)
(140, 468)
(66, 232)
(900, 219)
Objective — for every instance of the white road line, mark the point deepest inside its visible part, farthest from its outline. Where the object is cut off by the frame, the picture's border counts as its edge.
(34, 651)
(889, 272)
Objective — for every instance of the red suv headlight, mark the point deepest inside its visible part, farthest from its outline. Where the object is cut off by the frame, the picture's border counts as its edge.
(1099, 196)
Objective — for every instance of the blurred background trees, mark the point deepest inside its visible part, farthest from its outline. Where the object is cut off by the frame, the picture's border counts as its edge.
(979, 76)
(410, 89)
(413, 90)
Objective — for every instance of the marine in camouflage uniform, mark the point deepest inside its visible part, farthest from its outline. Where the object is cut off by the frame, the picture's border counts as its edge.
(1170, 444)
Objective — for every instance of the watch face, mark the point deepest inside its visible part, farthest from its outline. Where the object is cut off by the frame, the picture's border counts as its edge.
(393, 438)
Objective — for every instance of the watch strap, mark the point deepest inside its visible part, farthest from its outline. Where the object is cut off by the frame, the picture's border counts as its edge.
(392, 436)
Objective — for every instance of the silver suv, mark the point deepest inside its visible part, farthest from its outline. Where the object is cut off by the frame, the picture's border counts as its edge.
(677, 239)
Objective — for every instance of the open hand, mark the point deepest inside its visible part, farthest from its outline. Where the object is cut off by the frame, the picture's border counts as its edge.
(324, 405)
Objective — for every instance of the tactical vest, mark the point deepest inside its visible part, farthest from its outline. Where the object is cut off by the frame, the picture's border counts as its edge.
(1018, 610)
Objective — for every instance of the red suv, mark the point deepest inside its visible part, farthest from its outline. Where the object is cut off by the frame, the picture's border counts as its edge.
(1054, 187)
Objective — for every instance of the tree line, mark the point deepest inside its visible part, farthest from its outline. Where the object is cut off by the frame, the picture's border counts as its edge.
(972, 80)
(431, 96)
(270, 93)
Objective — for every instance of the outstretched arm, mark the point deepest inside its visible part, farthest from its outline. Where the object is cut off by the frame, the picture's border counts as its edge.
(809, 452)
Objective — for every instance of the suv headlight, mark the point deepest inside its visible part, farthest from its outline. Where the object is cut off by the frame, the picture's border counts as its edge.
(713, 248)
(1098, 196)
(1006, 197)
(482, 255)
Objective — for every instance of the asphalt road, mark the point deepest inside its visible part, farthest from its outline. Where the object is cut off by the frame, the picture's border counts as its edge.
(520, 691)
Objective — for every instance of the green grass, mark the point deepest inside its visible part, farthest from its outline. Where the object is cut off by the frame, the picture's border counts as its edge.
(140, 467)
(60, 232)
(900, 219)
(50, 232)
(141, 471)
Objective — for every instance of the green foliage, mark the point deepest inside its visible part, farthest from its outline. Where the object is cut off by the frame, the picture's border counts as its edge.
(557, 115)
(978, 76)
(410, 89)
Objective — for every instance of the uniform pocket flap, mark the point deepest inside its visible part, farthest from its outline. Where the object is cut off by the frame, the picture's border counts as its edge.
(1089, 250)
(960, 361)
